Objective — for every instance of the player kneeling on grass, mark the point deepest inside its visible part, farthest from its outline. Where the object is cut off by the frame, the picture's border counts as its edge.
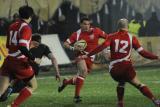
(121, 68)
(91, 36)
(38, 50)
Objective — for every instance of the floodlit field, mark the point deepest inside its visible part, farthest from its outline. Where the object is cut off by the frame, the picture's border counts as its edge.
(98, 91)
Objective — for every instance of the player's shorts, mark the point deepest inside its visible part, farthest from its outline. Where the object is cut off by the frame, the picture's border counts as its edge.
(123, 71)
(17, 69)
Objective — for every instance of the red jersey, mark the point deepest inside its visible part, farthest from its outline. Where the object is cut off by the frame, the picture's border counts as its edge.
(19, 34)
(121, 44)
(90, 37)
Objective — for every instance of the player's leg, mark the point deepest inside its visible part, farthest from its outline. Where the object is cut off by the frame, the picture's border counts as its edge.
(73, 80)
(14, 87)
(120, 93)
(8, 92)
(26, 92)
(82, 73)
(144, 90)
(4, 83)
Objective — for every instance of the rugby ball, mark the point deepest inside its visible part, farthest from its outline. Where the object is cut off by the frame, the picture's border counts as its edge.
(81, 44)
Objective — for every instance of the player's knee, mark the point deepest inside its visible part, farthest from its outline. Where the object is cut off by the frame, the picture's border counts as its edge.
(33, 87)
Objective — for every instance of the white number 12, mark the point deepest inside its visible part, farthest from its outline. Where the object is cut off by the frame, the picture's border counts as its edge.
(122, 49)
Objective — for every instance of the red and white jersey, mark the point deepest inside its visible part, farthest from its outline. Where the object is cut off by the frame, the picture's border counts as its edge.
(19, 34)
(121, 44)
(90, 37)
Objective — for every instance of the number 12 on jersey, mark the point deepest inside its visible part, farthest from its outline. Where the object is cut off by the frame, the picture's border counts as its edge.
(121, 45)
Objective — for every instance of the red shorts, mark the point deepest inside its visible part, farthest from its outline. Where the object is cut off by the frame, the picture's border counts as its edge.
(123, 71)
(16, 68)
(89, 64)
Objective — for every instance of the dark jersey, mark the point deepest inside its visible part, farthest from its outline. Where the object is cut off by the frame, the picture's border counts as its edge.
(39, 52)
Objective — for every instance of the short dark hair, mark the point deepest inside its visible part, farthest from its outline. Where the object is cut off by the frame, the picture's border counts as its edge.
(36, 37)
(85, 19)
(25, 12)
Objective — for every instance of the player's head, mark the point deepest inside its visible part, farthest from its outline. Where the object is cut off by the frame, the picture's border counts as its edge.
(122, 24)
(85, 23)
(36, 37)
(26, 13)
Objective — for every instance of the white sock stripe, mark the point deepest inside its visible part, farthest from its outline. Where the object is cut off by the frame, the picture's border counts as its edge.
(80, 78)
(142, 85)
(121, 86)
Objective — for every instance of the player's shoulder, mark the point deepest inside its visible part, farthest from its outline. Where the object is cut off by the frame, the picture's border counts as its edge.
(96, 29)
(43, 45)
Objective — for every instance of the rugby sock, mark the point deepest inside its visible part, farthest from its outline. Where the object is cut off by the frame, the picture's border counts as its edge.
(70, 81)
(146, 92)
(79, 84)
(120, 93)
(23, 95)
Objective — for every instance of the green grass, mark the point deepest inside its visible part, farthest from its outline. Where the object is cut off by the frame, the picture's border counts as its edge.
(98, 91)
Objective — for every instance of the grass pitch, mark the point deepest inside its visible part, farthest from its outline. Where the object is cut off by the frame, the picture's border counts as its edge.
(99, 91)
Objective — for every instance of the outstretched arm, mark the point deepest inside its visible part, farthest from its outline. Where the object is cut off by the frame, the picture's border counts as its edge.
(99, 48)
(141, 51)
(147, 54)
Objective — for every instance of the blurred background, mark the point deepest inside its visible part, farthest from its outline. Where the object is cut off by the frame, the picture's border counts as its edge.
(61, 18)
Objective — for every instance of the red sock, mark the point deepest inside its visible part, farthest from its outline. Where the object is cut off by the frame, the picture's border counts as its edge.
(79, 84)
(23, 95)
(70, 81)
(120, 93)
(146, 92)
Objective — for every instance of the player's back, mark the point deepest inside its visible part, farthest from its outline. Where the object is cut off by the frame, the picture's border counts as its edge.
(14, 36)
(120, 45)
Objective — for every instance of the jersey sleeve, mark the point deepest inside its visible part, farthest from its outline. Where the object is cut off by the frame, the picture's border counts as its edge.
(136, 44)
(25, 36)
(141, 51)
(101, 33)
(72, 38)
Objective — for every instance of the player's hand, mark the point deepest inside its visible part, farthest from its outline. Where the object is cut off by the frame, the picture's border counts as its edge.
(78, 48)
(158, 58)
(58, 77)
(83, 57)
(37, 60)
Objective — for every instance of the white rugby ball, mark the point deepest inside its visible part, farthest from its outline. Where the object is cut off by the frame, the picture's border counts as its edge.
(82, 44)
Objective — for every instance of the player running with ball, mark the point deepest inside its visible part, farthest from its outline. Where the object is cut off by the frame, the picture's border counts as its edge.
(91, 36)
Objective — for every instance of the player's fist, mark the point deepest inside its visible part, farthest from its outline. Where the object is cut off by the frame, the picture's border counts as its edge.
(58, 77)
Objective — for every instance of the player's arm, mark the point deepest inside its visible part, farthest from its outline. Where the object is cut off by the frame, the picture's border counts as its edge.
(24, 43)
(142, 51)
(25, 35)
(26, 52)
(55, 64)
(68, 43)
(100, 48)
(50, 56)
